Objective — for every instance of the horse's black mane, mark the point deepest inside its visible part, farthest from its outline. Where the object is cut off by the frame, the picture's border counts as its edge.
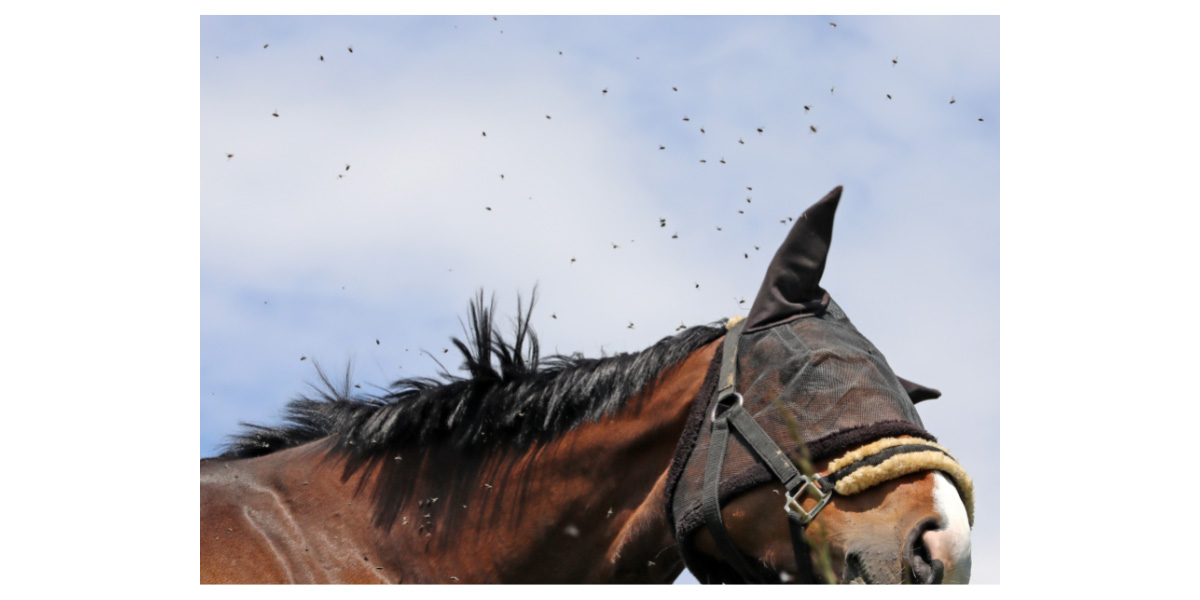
(511, 396)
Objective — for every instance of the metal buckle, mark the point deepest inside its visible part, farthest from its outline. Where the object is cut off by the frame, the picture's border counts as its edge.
(713, 417)
(793, 506)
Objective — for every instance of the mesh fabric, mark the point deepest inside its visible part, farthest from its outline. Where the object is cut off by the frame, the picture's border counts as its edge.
(817, 372)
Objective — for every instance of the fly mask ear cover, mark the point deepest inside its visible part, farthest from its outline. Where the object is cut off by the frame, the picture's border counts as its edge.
(801, 363)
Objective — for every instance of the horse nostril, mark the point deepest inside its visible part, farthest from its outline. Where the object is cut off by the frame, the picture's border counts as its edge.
(854, 570)
(925, 571)
(920, 566)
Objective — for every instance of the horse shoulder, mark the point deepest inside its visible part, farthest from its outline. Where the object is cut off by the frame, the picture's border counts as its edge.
(246, 528)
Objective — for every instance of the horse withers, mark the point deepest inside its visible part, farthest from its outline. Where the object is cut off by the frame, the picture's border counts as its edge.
(781, 448)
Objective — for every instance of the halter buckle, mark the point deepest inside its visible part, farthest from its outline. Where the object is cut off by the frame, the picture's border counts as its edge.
(793, 505)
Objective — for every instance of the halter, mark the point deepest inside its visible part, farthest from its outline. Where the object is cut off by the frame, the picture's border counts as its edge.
(853, 472)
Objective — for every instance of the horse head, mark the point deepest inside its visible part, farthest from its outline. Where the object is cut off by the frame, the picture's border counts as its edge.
(809, 461)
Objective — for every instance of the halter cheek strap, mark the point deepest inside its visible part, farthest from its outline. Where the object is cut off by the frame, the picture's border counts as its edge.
(730, 414)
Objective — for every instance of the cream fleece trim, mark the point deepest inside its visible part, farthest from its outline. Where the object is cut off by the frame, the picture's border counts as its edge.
(903, 464)
(878, 446)
(733, 321)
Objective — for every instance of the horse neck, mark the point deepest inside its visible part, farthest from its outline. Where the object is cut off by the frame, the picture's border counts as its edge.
(585, 507)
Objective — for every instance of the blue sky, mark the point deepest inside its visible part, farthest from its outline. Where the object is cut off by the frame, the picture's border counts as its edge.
(295, 261)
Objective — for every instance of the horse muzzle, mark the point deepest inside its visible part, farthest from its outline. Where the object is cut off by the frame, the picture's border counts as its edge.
(934, 550)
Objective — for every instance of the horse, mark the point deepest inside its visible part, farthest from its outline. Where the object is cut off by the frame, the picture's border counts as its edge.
(619, 469)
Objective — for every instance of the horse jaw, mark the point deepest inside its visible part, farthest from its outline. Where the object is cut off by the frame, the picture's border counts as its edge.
(952, 543)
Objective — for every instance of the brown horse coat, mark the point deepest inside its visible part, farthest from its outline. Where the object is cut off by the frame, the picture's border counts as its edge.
(293, 516)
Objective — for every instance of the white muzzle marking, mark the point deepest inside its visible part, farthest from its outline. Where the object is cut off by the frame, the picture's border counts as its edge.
(952, 543)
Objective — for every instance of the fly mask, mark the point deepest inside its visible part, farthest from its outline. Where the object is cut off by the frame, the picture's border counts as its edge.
(795, 379)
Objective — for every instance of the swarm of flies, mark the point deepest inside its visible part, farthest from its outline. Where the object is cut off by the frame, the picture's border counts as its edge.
(662, 221)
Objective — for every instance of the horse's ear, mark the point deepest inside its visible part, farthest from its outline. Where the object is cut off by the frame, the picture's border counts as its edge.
(918, 392)
(791, 287)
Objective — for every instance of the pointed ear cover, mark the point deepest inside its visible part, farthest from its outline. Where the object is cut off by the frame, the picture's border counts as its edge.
(791, 288)
(918, 392)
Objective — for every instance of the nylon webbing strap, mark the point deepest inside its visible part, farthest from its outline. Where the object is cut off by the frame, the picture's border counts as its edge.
(758, 440)
(728, 376)
(710, 505)
(800, 551)
(727, 414)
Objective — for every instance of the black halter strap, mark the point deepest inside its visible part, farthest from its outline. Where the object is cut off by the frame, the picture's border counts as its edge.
(729, 414)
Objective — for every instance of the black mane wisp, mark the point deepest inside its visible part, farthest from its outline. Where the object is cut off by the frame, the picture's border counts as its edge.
(510, 395)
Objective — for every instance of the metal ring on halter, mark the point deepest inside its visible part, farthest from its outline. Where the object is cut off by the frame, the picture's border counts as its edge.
(713, 417)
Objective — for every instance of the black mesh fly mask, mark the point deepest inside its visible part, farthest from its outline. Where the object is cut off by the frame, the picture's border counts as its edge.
(794, 379)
